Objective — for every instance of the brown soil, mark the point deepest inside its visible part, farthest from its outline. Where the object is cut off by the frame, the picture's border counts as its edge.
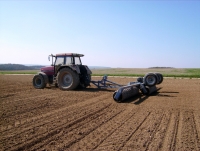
(51, 119)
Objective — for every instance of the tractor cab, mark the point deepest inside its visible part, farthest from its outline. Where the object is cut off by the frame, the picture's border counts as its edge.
(59, 60)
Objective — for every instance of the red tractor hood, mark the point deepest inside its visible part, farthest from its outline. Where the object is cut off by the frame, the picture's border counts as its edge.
(48, 70)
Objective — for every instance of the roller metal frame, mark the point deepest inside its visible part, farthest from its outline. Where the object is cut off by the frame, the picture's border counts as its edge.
(132, 88)
(104, 83)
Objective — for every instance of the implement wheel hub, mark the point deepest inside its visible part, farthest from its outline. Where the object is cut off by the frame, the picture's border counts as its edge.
(150, 79)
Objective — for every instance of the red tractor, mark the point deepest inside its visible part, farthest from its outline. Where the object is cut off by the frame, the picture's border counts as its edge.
(66, 72)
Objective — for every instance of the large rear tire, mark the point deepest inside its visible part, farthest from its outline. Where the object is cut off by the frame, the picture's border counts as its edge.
(150, 79)
(39, 82)
(68, 79)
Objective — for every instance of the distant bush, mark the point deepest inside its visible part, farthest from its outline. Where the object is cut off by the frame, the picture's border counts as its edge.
(161, 67)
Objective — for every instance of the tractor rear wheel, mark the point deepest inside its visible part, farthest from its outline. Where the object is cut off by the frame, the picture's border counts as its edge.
(38, 82)
(68, 79)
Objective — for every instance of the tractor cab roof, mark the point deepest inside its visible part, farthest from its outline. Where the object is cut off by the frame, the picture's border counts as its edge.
(69, 54)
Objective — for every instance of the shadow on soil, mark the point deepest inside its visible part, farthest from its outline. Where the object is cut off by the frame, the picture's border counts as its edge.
(83, 89)
(95, 90)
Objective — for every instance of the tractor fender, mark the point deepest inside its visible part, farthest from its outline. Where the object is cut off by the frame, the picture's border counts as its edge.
(46, 79)
(88, 70)
(75, 68)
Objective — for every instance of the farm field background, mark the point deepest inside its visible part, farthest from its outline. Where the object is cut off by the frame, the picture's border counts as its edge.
(167, 72)
(89, 119)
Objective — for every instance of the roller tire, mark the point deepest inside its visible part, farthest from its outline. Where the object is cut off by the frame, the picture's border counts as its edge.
(160, 77)
(39, 82)
(150, 79)
(68, 79)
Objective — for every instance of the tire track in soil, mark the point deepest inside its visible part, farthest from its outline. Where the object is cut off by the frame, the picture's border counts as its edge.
(39, 129)
(94, 139)
(157, 141)
(117, 139)
(25, 99)
(20, 109)
(73, 135)
(31, 96)
(28, 122)
(15, 88)
(188, 134)
(30, 144)
(25, 108)
(170, 137)
(197, 125)
(143, 135)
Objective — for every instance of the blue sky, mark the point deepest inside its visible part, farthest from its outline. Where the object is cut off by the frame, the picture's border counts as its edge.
(129, 34)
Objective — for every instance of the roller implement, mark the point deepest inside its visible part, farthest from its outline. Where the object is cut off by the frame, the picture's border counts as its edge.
(146, 84)
(68, 73)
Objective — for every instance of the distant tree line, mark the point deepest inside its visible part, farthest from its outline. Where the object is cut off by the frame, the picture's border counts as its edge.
(161, 67)
(18, 67)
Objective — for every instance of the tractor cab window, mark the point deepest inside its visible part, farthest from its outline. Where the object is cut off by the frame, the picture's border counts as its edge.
(59, 61)
(77, 60)
(68, 60)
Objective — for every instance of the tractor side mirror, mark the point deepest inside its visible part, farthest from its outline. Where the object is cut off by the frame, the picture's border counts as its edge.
(49, 58)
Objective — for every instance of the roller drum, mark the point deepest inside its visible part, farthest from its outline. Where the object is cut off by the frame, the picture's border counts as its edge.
(125, 93)
(151, 90)
(129, 92)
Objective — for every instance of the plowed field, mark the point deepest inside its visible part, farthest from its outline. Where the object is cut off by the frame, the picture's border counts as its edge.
(51, 119)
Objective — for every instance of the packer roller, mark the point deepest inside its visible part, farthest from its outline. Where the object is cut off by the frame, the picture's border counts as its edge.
(146, 84)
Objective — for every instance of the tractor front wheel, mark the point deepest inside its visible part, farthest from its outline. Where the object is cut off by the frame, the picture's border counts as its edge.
(68, 79)
(38, 82)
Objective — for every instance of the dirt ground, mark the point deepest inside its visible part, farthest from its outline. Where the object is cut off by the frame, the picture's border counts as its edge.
(51, 119)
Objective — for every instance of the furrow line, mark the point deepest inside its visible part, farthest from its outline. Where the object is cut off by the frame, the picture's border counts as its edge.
(197, 129)
(52, 94)
(93, 140)
(188, 135)
(170, 133)
(51, 116)
(143, 135)
(196, 132)
(118, 139)
(43, 135)
(159, 136)
(154, 131)
(86, 130)
(177, 131)
(50, 141)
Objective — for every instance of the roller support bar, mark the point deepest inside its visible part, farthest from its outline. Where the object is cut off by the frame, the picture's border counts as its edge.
(104, 83)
